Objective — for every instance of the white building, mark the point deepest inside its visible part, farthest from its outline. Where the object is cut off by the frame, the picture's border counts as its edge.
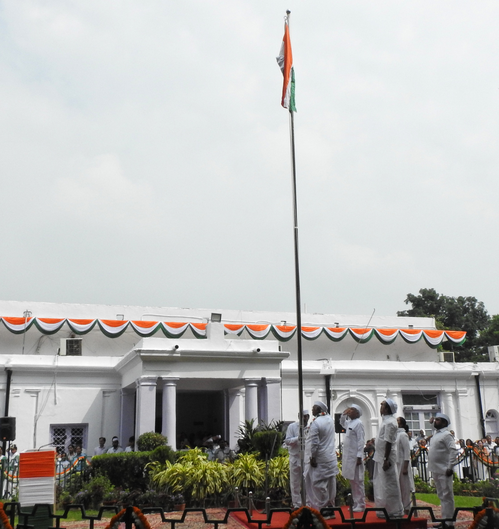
(77, 372)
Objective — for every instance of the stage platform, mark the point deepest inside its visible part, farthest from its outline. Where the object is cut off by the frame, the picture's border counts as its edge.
(362, 520)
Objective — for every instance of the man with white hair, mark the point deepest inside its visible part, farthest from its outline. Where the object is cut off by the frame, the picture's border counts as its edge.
(352, 466)
(292, 443)
(441, 460)
(386, 482)
(321, 465)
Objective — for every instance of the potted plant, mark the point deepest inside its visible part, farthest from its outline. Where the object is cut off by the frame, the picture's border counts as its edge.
(178, 502)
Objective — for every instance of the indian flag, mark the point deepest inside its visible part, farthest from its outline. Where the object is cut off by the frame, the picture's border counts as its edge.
(285, 62)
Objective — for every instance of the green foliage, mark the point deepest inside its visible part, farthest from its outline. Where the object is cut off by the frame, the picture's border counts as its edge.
(247, 471)
(207, 478)
(99, 487)
(125, 469)
(267, 443)
(422, 486)
(173, 478)
(278, 472)
(162, 454)
(248, 436)
(150, 440)
(192, 475)
(461, 313)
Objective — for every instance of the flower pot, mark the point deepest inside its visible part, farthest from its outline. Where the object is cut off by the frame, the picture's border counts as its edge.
(179, 507)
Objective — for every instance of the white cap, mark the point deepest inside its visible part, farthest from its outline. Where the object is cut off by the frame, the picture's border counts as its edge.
(358, 408)
(305, 412)
(443, 416)
(321, 405)
(393, 405)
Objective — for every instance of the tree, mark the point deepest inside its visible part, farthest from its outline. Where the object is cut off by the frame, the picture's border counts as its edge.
(490, 336)
(461, 313)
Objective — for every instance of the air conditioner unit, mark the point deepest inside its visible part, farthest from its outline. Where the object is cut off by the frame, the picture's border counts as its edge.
(445, 356)
(494, 353)
(71, 347)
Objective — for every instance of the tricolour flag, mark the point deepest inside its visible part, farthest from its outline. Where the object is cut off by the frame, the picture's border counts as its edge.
(285, 62)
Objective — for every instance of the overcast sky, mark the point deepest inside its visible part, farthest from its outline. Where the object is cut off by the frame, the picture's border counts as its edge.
(145, 156)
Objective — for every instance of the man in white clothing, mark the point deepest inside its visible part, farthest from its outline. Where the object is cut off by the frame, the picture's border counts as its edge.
(352, 466)
(101, 449)
(321, 465)
(441, 460)
(292, 443)
(115, 448)
(386, 481)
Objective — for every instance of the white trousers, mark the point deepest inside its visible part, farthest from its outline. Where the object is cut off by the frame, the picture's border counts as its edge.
(387, 490)
(358, 491)
(295, 475)
(445, 493)
(321, 492)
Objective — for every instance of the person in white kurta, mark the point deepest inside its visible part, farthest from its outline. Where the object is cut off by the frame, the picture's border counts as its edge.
(386, 482)
(321, 465)
(441, 461)
(352, 465)
(404, 467)
(292, 443)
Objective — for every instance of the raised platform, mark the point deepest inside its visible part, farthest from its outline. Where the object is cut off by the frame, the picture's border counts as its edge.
(364, 520)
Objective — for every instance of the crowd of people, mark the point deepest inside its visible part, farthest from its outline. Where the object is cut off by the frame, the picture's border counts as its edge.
(389, 463)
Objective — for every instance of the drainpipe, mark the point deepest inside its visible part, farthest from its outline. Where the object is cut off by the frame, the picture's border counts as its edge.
(480, 407)
(328, 392)
(7, 401)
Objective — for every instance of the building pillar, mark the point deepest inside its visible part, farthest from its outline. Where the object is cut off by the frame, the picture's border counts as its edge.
(397, 397)
(127, 419)
(234, 416)
(274, 408)
(146, 405)
(251, 399)
(169, 412)
(449, 408)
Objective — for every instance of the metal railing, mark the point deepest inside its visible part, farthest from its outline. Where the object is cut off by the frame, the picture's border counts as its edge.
(472, 464)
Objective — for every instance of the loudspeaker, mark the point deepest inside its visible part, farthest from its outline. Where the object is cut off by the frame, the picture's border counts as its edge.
(7, 428)
(337, 425)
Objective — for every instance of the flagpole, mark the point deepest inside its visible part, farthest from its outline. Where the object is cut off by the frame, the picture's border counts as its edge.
(298, 301)
(291, 107)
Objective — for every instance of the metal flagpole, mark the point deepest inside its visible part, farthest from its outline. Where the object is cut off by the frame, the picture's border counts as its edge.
(297, 290)
(298, 303)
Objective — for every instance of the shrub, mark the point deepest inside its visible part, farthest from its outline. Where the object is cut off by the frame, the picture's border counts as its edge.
(267, 443)
(278, 472)
(150, 440)
(247, 471)
(162, 454)
(125, 469)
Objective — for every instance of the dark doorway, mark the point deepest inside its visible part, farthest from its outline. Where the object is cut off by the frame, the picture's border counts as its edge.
(199, 414)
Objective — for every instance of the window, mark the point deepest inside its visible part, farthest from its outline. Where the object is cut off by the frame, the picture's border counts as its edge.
(418, 408)
(491, 423)
(63, 435)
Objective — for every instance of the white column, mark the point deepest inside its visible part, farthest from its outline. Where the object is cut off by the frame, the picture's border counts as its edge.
(449, 409)
(235, 416)
(251, 399)
(106, 393)
(397, 397)
(274, 409)
(146, 405)
(169, 412)
(127, 417)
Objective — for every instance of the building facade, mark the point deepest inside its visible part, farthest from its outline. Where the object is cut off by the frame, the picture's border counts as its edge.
(74, 373)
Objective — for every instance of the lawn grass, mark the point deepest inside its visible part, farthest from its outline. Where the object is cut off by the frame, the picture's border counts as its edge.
(460, 501)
